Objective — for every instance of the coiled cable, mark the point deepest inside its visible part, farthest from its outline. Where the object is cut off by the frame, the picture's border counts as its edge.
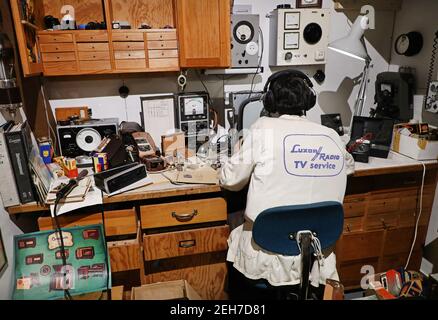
(431, 68)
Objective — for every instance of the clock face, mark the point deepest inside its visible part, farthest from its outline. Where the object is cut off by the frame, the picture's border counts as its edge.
(244, 32)
(402, 44)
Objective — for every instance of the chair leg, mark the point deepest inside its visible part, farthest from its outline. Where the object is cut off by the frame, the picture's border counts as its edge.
(305, 265)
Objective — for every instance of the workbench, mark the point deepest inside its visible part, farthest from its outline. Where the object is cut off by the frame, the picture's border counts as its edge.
(165, 232)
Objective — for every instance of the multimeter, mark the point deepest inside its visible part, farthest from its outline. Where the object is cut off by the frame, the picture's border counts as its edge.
(193, 114)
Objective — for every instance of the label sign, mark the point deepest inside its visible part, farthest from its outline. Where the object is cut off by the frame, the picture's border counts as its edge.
(312, 156)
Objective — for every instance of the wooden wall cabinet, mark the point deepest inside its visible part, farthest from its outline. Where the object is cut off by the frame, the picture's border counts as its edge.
(204, 33)
(183, 34)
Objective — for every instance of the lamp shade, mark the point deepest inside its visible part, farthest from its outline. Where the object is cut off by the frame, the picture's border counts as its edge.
(353, 44)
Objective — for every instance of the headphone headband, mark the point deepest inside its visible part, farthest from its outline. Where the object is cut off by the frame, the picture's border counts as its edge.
(291, 72)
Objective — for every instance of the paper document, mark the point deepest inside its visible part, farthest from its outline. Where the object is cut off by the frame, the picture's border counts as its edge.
(93, 197)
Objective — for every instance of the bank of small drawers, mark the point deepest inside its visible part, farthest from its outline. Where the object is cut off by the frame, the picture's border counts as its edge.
(129, 50)
(93, 51)
(58, 53)
(163, 50)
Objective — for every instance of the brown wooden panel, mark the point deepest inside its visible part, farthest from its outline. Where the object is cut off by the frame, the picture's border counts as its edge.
(125, 255)
(350, 272)
(131, 64)
(157, 36)
(197, 47)
(359, 246)
(382, 221)
(120, 55)
(59, 68)
(169, 44)
(64, 114)
(57, 47)
(92, 36)
(176, 244)
(353, 225)
(169, 214)
(103, 65)
(55, 38)
(399, 240)
(156, 13)
(85, 11)
(383, 203)
(355, 206)
(128, 46)
(126, 36)
(93, 46)
(97, 55)
(164, 63)
(117, 223)
(153, 54)
(61, 56)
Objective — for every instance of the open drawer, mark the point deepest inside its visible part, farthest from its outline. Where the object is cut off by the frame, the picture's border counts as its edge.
(125, 255)
(184, 243)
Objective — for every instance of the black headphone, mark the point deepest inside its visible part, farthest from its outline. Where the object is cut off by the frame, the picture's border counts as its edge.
(309, 98)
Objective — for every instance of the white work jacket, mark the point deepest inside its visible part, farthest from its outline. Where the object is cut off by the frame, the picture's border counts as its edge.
(287, 161)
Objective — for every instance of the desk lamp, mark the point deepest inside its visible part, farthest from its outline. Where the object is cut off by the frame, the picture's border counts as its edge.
(353, 45)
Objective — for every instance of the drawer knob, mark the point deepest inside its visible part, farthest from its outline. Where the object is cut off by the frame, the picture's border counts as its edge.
(385, 226)
(184, 217)
(187, 244)
(348, 228)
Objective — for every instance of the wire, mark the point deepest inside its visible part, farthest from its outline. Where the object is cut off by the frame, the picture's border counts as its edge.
(262, 43)
(67, 294)
(431, 67)
(205, 87)
(106, 252)
(419, 217)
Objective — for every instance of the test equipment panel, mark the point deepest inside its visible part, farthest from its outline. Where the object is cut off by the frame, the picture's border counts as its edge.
(193, 113)
(245, 46)
(299, 36)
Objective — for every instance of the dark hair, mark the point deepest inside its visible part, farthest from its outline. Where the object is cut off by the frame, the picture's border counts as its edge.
(290, 94)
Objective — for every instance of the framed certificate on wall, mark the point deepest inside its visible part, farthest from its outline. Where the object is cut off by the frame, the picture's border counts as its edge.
(3, 258)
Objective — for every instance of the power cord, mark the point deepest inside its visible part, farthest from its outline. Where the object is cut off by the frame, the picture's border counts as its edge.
(106, 253)
(418, 218)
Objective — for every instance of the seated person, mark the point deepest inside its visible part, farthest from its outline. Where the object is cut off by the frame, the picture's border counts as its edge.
(287, 160)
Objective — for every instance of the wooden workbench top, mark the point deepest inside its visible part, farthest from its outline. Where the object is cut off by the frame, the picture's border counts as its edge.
(162, 188)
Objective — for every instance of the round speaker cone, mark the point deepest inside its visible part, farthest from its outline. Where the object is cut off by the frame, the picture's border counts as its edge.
(88, 139)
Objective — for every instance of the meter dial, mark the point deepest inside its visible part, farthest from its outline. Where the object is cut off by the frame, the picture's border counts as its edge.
(243, 32)
(194, 106)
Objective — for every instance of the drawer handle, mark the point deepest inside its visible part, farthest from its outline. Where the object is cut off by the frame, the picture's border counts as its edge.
(185, 217)
(187, 244)
(385, 226)
(408, 182)
(348, 228)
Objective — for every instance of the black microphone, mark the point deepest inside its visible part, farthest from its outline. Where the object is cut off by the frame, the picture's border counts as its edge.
(73, 183)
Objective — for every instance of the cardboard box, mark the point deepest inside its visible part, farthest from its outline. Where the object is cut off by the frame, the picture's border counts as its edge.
(415, 148)
(172, 290)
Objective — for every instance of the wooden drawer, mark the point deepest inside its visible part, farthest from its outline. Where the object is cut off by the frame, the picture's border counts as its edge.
(153, 54)
(354, 206)
(164, 63)
(183, 213)
(383, 204)
(123, 46)
(55, 68)
(93, 47)
(400, 240)
(353, 225)
(92, 37)
(128, 36)
(62, 56)
(119, 55)
(57, 47)
(55, 38)
(95, 65)
(399, 260)
(359, 246)
(382, 221)
(117, 223)
(168, 44)
(133, 64)
(407, 218)
(97, 55)
(184, 243)
(157, 36)
(125, 255)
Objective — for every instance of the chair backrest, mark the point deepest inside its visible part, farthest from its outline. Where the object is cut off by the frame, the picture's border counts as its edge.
(273, 228)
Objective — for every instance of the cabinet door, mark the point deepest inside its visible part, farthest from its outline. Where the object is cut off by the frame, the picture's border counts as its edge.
(26, 39)
(204, 33)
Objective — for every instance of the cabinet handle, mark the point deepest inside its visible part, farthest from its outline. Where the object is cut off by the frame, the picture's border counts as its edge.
(185, 217)
(409, 182)
(385, 226)
(187, 244)
(348, 228)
